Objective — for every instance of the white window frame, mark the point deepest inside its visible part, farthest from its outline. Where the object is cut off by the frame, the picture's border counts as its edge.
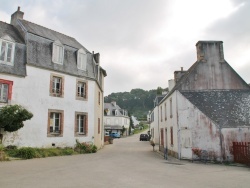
(81, 124)
(56, 80)
(4, 92)
(8, 41)
(81, 60)
(54, 124)
(58, 53)
(81, 89)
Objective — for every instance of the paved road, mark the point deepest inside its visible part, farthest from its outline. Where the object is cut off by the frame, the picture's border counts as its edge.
(126, 163)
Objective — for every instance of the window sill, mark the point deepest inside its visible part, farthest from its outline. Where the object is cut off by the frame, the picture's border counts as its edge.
(55, 135)
(80, 135)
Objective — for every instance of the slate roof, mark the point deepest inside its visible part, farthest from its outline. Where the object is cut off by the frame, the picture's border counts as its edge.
(10, 30)
(20, 51)
(50, 34)
(227, 108)
(111, 107)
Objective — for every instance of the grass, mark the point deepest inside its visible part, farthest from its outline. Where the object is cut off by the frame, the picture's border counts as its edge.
(28, 153)
(145, 127)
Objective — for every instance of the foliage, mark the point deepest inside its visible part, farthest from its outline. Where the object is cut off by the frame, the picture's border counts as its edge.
(29, 153)
(12, 117)
(3, 156)
(197, 151)
(138, 101)
(145, 127)
(85, 147)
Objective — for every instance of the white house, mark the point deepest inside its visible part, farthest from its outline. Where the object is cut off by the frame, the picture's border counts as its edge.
(54, 77)
(207, 109)
(116, 119)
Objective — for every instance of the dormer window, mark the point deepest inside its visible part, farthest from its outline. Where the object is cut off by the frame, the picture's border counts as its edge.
(58, 53)
(81, 60)
(7, 48)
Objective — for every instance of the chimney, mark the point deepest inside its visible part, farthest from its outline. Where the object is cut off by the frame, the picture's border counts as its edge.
(15, 16)
(97, 58)
(178, 74)
(171, 84)
(210, 50)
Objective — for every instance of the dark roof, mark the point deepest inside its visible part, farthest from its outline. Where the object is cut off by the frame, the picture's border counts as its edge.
(20, 51)
(227, 108)
(50, 34)
(10, 30)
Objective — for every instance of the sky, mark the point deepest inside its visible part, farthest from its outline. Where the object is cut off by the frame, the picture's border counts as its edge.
(142, 42)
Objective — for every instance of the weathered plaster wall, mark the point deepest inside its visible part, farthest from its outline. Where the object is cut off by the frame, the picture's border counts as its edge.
(32, 92)
(212, 71)
(198, 131)
(230, 135)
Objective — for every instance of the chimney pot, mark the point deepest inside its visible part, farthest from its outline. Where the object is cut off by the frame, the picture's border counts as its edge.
(18, 9)
(181, 69)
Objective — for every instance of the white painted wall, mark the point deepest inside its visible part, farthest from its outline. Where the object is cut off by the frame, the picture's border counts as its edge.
(32, 92)
(154, 125)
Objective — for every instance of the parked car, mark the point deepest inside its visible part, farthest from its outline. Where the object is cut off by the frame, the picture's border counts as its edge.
(144, 137)
(115, 135)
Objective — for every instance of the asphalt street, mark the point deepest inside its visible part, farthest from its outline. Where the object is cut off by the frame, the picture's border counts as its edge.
(126, 163)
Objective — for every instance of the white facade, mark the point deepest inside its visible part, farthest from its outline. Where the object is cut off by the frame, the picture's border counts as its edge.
(33, 93)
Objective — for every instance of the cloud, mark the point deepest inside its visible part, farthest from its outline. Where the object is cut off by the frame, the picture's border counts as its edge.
(142, 42)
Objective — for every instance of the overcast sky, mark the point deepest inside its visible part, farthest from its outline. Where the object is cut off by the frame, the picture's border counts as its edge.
(142, 42)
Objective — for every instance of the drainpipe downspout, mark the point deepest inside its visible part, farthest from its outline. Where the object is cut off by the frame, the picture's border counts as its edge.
(158, 123)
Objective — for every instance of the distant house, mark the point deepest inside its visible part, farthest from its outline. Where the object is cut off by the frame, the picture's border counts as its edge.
(116, 119)
(57, 79)
(135, 121)
(208, 108)
(154, 119)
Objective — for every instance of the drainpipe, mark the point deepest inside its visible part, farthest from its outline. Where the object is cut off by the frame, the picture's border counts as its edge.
(158, 126)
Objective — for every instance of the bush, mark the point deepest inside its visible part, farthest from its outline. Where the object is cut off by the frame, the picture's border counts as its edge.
(26, 153)
(85, 147)
(12, 117)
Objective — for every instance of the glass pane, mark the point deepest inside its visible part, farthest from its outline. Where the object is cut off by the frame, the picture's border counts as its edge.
(9, 52)
(2, 55)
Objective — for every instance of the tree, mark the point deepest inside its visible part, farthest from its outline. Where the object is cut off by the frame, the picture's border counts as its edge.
(13, 116)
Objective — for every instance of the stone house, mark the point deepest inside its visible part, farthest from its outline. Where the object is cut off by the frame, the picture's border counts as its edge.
(54, 77)
(208, 107)
(116, 119)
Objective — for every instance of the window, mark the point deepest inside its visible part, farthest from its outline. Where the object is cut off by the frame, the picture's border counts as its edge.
(5, 90)
(171, 136)
(161, 113)
(81, 90)
(165, 111)
(55, 125)
(99, 125)
(7, 52)
(56, 85)
(171, 108)
(81, 124)
(58, 52)
(162, 137)
(99, 98)
(81, 60)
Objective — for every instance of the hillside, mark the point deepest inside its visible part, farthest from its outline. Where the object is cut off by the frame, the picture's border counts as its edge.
(138, 101)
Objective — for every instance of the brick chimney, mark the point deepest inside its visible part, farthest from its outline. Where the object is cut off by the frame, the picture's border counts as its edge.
(210, 50)
(15, 16)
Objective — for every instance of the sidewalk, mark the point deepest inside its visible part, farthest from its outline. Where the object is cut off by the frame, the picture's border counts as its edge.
(170, 159)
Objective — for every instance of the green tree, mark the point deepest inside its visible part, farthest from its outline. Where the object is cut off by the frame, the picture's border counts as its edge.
(13, 116)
